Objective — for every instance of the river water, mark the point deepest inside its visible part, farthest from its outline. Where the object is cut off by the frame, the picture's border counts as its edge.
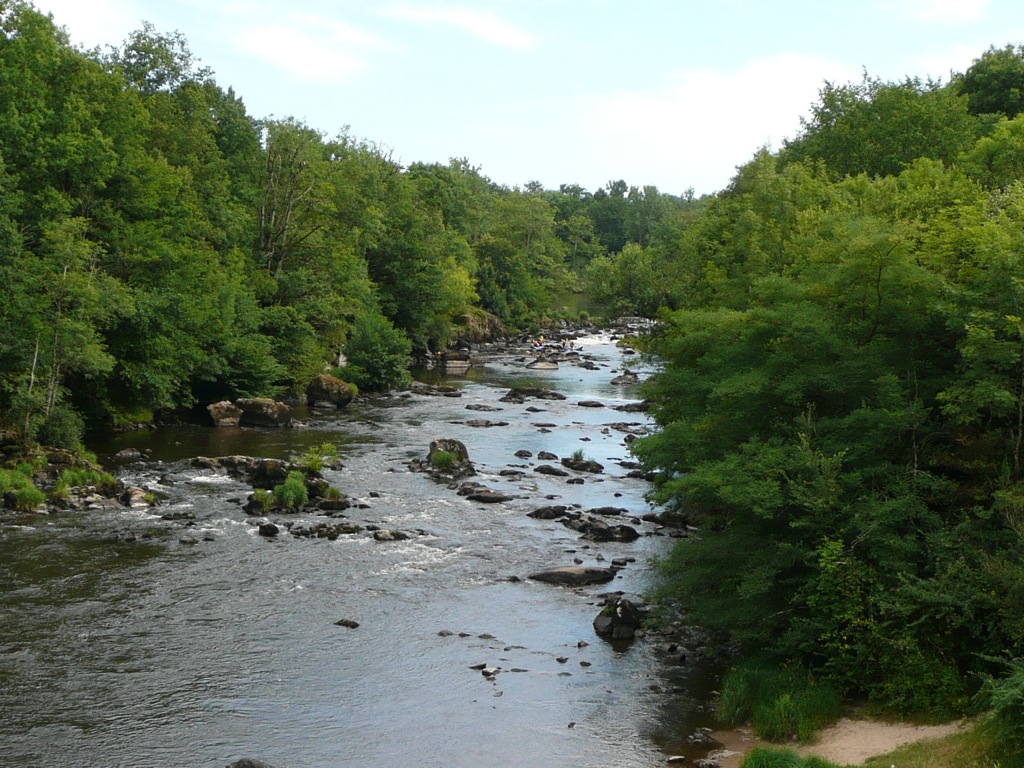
(156, 653)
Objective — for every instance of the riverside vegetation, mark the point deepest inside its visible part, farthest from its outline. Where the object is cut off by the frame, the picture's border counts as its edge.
(841, 404)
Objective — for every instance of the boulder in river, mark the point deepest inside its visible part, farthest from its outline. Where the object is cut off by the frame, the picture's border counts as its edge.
(581, 464)
(447, 459)
(574, 575)
(328, 389)
(249, 762)
(224, 414)
(263, 412)
(520, 394)
(619, 620)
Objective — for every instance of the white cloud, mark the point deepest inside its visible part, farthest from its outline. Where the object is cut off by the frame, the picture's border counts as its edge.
(481, 24)
(939, 11)
(308, 52)
(93, 24)
(696, 130)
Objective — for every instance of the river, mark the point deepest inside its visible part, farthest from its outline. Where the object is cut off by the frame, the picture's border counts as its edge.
(155, 653)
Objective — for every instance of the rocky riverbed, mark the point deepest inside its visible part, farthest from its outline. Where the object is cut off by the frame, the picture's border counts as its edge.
(433, 615)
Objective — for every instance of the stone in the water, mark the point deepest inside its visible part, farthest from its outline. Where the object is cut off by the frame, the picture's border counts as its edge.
(574, 575)
(347, 623)
(269, 529)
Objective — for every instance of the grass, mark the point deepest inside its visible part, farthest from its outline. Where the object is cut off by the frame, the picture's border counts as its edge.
(318, 456)
(78, 477)
(292, 493)
(970, 748)
(444, 460)
(973, 748)
(784, 703)
(766, 757)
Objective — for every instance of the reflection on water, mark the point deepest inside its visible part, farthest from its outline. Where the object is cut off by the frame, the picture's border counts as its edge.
(156, 653)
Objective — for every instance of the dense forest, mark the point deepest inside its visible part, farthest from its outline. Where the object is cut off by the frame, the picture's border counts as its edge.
(841, 404)
(161, 247)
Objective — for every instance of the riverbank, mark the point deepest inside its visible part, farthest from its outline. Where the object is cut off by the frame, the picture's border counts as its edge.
(847, 742)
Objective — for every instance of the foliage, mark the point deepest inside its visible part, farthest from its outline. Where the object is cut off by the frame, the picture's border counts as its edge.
(994, 83)
(378, 355)
(317, 457)
(292, 493)
(1004, 700)
(767, 757)
(262, 498)
(444, 460)
(80, 477)
(784, 703)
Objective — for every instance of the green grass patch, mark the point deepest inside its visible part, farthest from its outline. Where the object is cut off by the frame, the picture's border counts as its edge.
(973, 748)
(79, 477)
(317, 457)
(783, 703)
(768, 757)
(292, 493)
(444, 460)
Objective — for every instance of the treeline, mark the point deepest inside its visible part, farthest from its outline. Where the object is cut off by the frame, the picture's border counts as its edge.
(842, 403)
(160, 247)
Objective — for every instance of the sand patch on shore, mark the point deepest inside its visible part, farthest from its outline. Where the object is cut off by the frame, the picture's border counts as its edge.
(846, 742)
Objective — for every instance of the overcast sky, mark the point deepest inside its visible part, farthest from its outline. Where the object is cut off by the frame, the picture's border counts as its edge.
(674, 93)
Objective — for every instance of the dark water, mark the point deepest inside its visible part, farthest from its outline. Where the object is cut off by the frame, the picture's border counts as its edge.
(156, 653)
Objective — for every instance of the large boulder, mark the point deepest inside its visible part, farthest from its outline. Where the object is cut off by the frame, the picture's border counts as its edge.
(574, 575)
(328, 389)
(258, 472)
(263, 412)
(619, 620)
(224, 414)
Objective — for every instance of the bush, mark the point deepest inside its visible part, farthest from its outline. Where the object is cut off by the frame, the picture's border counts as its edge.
(378, 355)
(1005, 699)
(63, 428)
(292, 493)
(29, 497)
(318, 456)
(444, 460)
(262, 497)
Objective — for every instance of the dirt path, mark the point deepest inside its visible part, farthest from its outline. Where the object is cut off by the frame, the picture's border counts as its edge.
(847, 742)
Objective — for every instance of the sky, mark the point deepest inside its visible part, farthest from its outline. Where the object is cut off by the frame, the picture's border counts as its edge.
(671, 93)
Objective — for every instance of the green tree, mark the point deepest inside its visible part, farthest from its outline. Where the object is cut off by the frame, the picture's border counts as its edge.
(994, 83)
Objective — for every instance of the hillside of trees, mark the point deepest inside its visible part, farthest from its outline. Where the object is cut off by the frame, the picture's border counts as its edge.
(842, 403)
(161, 247)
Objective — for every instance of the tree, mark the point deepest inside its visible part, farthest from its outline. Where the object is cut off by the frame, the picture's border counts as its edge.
(994, 83)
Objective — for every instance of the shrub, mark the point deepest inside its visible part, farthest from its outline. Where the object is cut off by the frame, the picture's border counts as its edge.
(584, 316)
(577, 455)
(317, 456)
(262, 497)
(63, 428)
(1005, 699)
(378, 354)
(292, 493)
(334, 494)
(27, 498)
(444, 460)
